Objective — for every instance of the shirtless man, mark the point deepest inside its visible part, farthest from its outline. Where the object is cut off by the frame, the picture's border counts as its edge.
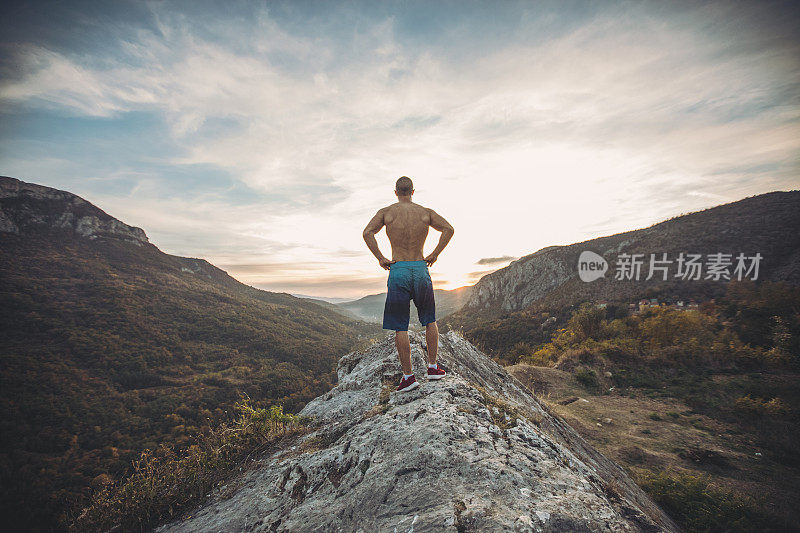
(407, 227)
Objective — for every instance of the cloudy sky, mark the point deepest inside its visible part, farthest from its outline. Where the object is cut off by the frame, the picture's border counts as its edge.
(262, 136)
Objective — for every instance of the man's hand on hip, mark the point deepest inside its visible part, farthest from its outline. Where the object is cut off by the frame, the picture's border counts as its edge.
(431, 259)
(385, 263)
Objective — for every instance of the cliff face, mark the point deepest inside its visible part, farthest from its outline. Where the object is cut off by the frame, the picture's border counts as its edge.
(26, 207)
(472, 452)
(523, 282)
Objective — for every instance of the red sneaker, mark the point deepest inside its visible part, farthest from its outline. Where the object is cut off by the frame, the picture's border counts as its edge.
(408, 384)
(436, 373)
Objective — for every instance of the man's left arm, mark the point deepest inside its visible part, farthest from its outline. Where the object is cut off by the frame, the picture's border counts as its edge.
(372, 228)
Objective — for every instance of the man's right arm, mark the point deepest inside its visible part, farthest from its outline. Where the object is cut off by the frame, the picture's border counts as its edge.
(439, 224)
(372, 228)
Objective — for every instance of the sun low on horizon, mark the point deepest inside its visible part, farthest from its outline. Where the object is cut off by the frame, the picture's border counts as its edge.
(263, 136)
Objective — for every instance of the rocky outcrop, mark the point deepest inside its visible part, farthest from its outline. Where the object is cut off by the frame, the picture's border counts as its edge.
(28, 207)
(522, 282)
(472, 452)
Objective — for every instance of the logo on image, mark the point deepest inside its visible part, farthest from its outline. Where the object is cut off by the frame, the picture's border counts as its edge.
(591, 266)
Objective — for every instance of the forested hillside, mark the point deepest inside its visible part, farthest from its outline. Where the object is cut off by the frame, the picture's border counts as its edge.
(110, 346)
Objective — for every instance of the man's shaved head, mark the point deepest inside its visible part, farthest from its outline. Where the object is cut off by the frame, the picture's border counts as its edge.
(404, 186)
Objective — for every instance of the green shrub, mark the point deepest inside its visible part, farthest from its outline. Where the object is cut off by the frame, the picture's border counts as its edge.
(587, 378)
(588, 322)
(760, 406)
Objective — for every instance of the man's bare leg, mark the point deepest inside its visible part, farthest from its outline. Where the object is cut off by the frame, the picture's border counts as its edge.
(432, 340)
(403, 350)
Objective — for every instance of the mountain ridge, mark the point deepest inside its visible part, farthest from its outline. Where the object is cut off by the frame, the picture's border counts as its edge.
(549, 278)
(75, 213)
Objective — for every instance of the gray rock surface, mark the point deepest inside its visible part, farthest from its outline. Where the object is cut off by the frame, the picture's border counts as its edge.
(30, 207)
(472, 452)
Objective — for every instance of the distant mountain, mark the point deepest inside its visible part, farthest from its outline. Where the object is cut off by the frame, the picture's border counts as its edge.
(370, 308)
(109, 346)
(329, 299)
(767, 224)
(332, 306)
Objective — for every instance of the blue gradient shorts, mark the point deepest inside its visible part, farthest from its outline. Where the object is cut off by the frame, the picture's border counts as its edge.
(408, 280)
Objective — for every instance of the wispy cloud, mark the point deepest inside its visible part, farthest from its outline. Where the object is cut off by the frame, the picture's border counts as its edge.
(495, 260)
(473, 277)
(524, 130)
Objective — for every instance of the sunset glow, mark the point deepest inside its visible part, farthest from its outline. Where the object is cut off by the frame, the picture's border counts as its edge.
(264, 137)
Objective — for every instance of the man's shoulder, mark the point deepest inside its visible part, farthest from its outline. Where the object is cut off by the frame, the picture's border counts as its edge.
(425, 210)
(397, 205)
(419, 207)
(402, 205)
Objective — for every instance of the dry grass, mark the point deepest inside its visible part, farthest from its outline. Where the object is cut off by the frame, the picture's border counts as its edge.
(166, 481)
(505, 415)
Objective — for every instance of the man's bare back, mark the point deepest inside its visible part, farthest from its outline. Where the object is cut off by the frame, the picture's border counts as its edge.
(407, 226)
